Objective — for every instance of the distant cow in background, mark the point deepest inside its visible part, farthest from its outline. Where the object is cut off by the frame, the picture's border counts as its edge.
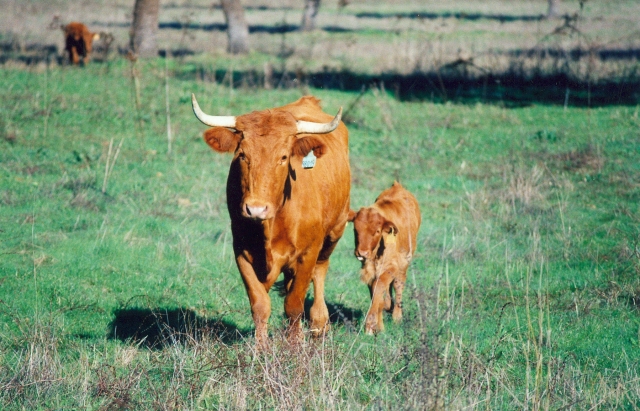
(78, 42)
(385, 236)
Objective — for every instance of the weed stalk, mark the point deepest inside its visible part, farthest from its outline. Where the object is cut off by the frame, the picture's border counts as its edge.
(110, 163)
(167, 110)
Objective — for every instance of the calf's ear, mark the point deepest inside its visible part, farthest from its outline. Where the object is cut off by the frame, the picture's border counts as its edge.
(304, 145)
(222, 139)
(389, 228)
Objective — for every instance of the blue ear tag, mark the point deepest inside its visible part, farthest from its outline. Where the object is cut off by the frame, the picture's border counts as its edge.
(309, 161)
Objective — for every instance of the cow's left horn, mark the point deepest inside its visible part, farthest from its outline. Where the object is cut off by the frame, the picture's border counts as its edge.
(211, 121)
(319, 128)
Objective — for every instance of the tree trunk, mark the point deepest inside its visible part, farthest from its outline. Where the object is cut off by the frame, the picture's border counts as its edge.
(237, 28)
(552, 11)
(309, 15)
(145, 28)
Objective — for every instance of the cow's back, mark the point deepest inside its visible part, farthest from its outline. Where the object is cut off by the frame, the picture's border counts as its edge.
(77, 31)
(399, 206)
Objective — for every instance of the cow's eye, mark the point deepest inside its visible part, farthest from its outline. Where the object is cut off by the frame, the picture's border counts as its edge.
(283, 160)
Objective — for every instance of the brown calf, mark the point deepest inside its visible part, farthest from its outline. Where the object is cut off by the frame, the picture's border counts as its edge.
(78, 42)
(385, 235)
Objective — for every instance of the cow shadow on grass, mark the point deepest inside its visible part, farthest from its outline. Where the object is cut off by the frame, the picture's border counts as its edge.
(158, 327)
(339, 314)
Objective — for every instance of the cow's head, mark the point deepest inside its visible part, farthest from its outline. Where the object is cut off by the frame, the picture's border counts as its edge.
(369, 227)
(263, 144)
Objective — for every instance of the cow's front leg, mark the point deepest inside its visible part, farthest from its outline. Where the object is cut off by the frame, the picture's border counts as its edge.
(258, 299)
(380, 288)
(319, 312)
(73, 55)
(296, 294)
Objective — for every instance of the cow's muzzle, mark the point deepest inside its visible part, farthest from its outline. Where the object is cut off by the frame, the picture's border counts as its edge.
(256, 211)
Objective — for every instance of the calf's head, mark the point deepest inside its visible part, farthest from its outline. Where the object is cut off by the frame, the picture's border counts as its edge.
(369, 227)
(263, 144)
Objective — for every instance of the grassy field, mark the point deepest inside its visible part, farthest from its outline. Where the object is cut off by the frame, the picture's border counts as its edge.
(118, 288)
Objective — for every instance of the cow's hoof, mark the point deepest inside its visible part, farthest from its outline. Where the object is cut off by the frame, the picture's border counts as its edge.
(318, 332)
(262, 344)
(295, 335)
(261, 335)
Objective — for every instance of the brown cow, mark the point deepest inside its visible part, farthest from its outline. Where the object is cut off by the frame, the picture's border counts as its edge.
(78, 42)
(286, 214)
(385, 236)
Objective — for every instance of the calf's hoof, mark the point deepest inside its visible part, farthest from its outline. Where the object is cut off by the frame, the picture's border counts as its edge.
(372, 326)
(397, 315)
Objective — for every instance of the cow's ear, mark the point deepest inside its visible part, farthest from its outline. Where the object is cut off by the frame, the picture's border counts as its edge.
(222, 139)
(351, 216)
(389, 228)
(304, 145)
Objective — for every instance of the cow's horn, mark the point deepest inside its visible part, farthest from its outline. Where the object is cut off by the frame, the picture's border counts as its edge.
(211, 121)
(319, 128)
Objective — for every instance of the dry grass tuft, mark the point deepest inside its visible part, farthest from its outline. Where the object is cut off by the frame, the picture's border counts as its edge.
(117, 388)
(82, 200)
(520, 190)
(524, 187)
(33, 367)
(584, 160)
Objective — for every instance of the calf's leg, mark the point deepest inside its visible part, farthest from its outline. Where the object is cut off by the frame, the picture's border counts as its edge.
(398, 288)
(380, 287)
(387, 298)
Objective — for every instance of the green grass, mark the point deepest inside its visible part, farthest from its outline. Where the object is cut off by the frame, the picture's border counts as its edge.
(523, 292)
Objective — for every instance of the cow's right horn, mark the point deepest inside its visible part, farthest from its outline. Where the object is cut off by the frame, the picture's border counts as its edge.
(319, 128)
(211, 121)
